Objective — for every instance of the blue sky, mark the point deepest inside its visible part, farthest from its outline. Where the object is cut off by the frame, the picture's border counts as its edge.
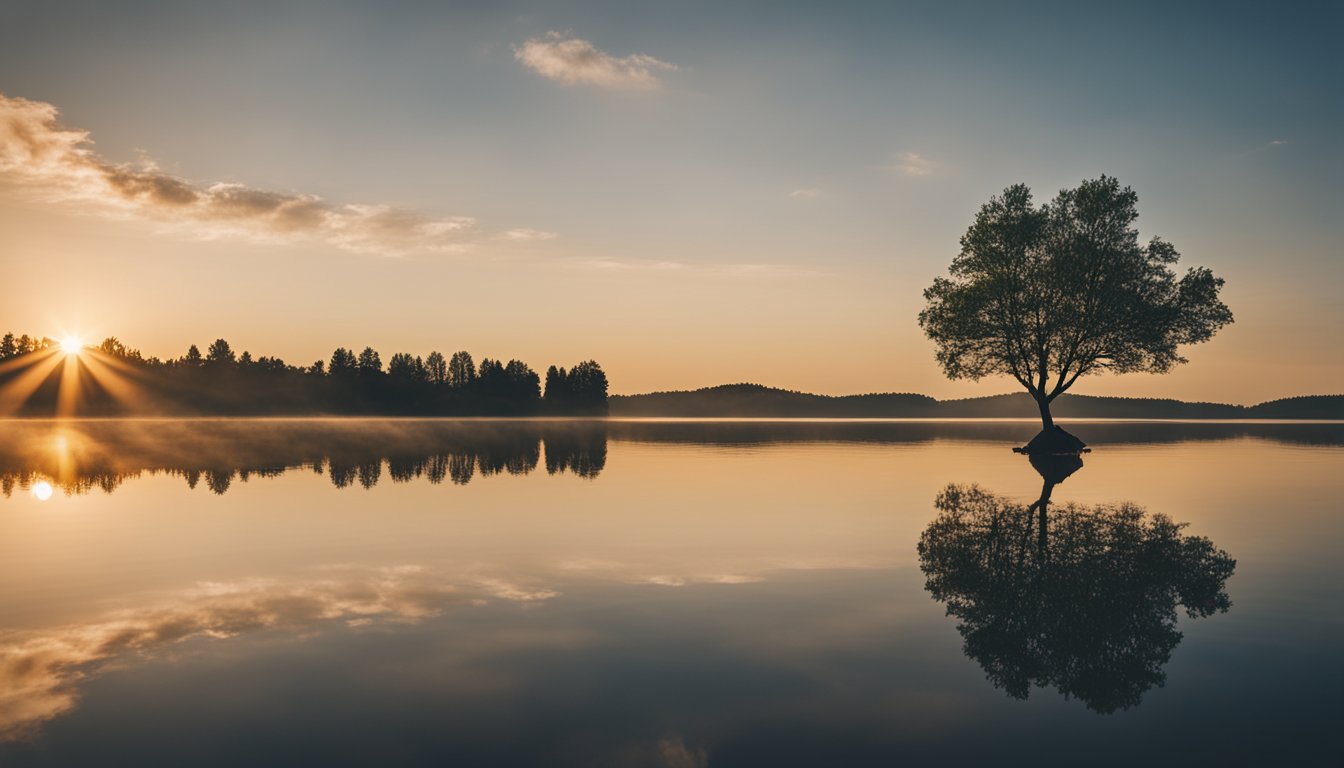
(765, 202)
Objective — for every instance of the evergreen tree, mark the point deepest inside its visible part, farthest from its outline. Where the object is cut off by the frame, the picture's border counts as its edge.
(369, 362)
(342, 363)
(220, 354)
(402, 368)
(436, 368)
(461, 370)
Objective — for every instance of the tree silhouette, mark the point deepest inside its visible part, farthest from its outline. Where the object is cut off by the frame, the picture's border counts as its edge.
(402, 368)
(219, 354)
(370, 364)
(556, 387)
(1087, 605)
(582, 389)
(343, 363)
(1047, 295)
(461, 370)
(436, 368)
(523, 384)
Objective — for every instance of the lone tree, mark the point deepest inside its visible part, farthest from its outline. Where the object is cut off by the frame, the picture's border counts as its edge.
(1047, 295)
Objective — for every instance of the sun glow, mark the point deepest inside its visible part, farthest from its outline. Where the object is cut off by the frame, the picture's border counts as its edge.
(42, 490)
(75, 366)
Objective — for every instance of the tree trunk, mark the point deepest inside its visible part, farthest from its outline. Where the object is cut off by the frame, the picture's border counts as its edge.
(1044, 405)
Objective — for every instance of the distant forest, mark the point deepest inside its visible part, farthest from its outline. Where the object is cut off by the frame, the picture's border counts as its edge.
(113, 379)
(756, 401)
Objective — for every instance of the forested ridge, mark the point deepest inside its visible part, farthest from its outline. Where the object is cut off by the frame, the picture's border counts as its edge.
(757, 401)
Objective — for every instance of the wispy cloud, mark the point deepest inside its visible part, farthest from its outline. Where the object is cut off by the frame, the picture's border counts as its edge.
(913, 164)
(38, 152)
(805, 194)
(569, 60)
(526, 235)
(1278, 142)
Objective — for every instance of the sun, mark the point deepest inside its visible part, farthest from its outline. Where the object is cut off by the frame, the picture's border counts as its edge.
(72, 345)
(42, 490)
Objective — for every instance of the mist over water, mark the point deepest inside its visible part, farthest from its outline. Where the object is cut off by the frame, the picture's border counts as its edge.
(221, 592)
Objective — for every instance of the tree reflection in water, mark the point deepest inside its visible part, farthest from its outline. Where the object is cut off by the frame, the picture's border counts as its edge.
(80, 456)
(1080, 598)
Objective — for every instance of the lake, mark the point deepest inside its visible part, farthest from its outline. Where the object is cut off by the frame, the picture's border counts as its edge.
(419, 592)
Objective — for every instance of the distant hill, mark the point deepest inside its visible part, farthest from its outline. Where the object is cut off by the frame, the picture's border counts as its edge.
(748, 400)
(757, 401)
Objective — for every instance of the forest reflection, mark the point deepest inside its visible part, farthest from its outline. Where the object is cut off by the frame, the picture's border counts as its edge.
(77, 457)
(1079, 598)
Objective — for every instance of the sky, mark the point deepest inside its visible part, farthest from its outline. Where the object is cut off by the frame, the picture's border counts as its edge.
(690, 193)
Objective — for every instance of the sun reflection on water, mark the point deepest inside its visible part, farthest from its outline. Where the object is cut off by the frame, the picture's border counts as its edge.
(42, 490)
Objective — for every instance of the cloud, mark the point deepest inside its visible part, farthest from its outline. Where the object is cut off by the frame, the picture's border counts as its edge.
(805, 194)
(913, 164)
(674, 753)
(1278, 142)
(526, 235)
(571, 61)
(668, 580)
(38, 152)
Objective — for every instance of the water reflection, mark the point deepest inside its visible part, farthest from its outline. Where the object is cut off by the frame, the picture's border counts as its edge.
(40, 672)
(720, 593)
(1079, 598)
(80, 456)
(77, 456)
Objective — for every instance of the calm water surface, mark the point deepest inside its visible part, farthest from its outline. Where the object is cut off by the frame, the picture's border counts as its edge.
(667, 593)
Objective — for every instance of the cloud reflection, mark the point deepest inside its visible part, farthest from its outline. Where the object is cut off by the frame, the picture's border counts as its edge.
(40, 671)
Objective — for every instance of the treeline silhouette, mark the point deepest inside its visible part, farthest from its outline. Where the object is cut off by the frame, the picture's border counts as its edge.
(77, 457)
(758, 401)
(116, 379)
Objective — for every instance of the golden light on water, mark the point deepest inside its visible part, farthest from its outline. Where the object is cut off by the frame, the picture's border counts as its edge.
(42, 490)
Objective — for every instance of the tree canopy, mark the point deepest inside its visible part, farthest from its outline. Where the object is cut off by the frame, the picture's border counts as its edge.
(1052, 293)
